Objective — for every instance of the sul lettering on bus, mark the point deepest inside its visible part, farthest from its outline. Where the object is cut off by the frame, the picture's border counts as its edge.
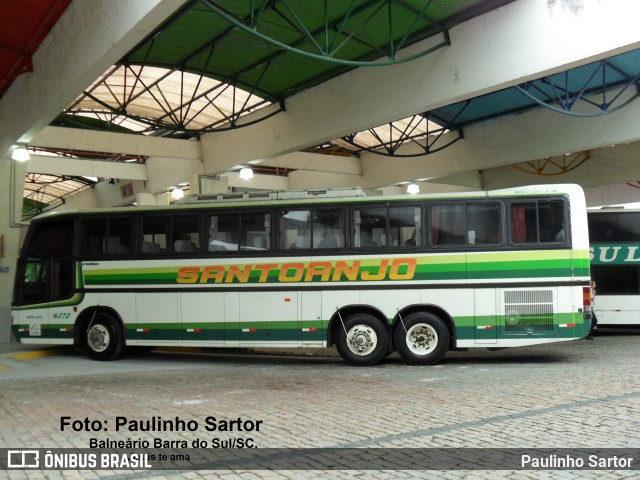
(396, 269)
(617, 254)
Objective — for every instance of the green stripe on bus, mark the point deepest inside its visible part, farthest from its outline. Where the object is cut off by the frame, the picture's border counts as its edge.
(292, 330)
(327, 272)
(76, 299)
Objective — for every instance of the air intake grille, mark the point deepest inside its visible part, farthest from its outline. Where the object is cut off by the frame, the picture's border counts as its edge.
(528, 310)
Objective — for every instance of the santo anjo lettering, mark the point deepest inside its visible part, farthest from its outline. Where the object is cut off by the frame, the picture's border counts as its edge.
(397, 269)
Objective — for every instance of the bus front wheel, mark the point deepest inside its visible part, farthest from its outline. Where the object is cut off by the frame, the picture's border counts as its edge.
(103, 338)
(422, 338)
(362, 339)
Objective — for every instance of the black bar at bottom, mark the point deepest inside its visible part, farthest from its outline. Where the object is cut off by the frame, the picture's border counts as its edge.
(25, 459)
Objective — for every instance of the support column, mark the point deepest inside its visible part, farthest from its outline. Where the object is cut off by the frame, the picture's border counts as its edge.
(11, 236)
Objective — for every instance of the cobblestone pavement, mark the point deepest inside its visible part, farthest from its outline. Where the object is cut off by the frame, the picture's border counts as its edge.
(567, 395)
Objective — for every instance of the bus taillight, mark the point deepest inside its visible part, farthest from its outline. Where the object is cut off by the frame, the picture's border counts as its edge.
(586, 302)
(586, 297)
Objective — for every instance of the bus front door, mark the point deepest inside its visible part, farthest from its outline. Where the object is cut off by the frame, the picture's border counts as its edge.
(31, 300)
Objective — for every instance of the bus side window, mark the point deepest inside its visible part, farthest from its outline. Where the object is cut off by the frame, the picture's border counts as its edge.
(448, 225)
(53, 237)
(155, 233)
(92, 236)
(295, 229)
(370, 226)
(186, 233)
(552, 224)
(223, 232)
(255, 233)
(328, 228)
(484, 223)
(61, 279)
(34, 281)
(107, 235)
(524, 223)
(406, 224)
(538, 222)
(121, 235)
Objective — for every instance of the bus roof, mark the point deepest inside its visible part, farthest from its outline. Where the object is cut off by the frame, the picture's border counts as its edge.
(311, 197)
(604, 210)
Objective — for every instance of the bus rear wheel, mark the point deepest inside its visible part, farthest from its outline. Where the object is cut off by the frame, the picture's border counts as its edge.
(422, 338)
(362, 340)
(103, 339)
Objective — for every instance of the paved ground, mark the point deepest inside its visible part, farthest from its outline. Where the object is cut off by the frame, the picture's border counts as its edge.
(568, 395)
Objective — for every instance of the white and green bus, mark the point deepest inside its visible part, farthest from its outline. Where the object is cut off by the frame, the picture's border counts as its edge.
(614, 235)
(419, 275)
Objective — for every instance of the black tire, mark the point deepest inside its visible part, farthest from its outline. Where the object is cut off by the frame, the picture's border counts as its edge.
(103, 338)
(422, 338)
(365, 342)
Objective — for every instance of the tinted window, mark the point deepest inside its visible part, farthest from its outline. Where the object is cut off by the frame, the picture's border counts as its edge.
(295, 229)
(186, 233)
(466, 224)
(448, 225)
(61, 279)
(328, 227)
(255, 232)
(538, 222)
(404, 226)
(34, 276)
(616, 279)
(121, 237)
(41, 280)
(111, 236)
(614, 227)
(53, 238)
(223, 232)
(92, 236)
(155, 233)
(370, 225)
(317, 228)
(484, 224)
(387, 227)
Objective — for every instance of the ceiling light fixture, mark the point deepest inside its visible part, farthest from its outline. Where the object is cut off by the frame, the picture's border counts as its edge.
(412, 188)
(246, 173)
(21, 154)
(177, 194)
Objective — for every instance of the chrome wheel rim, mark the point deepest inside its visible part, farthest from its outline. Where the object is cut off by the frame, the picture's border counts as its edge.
(362, 339)
(98, 338)
(422, 339)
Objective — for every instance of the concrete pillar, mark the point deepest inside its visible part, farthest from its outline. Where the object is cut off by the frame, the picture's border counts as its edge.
(11, 234)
